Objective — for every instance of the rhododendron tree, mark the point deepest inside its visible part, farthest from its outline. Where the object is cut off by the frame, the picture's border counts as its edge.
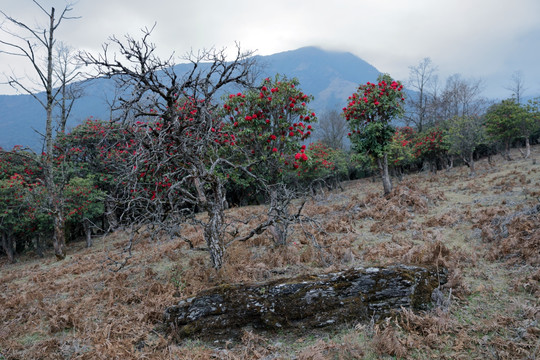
(102, 150)
(84, 204)
(176, 165)
(267, 125)
(23, 206)
(325, 166)
(400, 152)
(12, 209)
(369, 113)
(431, 146)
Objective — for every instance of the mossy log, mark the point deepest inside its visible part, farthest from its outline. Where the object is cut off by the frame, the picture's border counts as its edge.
(304, 302)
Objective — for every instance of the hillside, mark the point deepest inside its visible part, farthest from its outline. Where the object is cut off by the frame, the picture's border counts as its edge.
(329, 76)
(103, 303)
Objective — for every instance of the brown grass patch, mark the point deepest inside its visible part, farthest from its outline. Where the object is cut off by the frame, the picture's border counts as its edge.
(85, 307)
(513, 237)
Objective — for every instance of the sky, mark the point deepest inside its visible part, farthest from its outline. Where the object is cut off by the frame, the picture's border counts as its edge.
(486, 40)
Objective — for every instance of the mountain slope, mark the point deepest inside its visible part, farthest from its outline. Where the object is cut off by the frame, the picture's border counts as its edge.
(329, 76)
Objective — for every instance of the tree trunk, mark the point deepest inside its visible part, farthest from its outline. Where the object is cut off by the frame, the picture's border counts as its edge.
(110, 214)
(39, 245)
(278, 212)
(306, 302)
(527, 148)
(383, 167)
(53, 192)
(213, 229)
(213, 237)
(7, 245)
(87, 232)
(471, 165)
(507, 151)
(59, 238)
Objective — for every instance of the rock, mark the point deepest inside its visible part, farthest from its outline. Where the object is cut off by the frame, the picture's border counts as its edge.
(304, 302)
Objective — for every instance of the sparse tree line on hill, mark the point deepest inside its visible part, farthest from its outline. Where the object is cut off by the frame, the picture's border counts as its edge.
(179, 149)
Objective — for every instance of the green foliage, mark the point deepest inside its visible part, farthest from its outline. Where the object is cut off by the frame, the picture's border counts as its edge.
(503, 120)
(400, 150)
(369, 113)
(22, 195)
(323, 162)
(96, 148)
(531, 123)
(374, 139)
(83, 199)
(465, 133)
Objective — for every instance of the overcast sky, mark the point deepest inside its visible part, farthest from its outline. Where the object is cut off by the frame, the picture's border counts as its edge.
(487, 39)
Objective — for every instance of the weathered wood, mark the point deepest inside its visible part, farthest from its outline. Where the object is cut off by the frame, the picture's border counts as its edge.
(305, 302)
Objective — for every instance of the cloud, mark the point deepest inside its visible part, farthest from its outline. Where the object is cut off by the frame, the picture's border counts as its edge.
(479, 38)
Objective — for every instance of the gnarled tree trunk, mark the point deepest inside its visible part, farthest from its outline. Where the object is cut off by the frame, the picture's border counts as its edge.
(305, 302)
(279, 213)
(87, 232)
(8, 246)
(214, 204)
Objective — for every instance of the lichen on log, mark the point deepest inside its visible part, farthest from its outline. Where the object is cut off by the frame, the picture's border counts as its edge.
(305, 302)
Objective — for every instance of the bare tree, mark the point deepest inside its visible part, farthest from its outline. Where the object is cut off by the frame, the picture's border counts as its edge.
(422, 77)
(176, 164)
(332, 129)
(33, 44)
(460, 98)
(67, 71)
(517, 86)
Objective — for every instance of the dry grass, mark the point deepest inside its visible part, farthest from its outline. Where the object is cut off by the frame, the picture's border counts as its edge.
(479, 228)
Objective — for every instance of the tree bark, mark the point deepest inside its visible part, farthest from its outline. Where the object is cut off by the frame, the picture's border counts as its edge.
(213, 229)
(507, 151)
(39, 245)
(278, 211)
(59, 237)
(305, 302)
(471, 165)
(7, 245)
(527, 148)
(385, 175)
(87, 232)
(110, 214)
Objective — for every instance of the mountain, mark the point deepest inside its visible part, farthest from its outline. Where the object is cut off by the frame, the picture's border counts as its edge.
(329, 76)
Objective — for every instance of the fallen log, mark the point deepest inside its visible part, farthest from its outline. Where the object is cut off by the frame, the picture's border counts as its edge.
(304, 302)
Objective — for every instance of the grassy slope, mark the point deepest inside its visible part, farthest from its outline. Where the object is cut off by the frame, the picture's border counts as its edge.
(85, 308)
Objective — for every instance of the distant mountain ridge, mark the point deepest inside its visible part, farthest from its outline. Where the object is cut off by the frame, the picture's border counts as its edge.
(329, 76)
